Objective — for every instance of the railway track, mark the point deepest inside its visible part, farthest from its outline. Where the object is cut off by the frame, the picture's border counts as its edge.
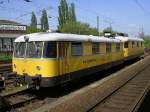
(18, 99)
(27, 100)
(5, 67)
(123, 99)
(6, 70)
(7, 77)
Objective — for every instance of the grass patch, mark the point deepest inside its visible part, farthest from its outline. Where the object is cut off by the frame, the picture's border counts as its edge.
(4, 57)
(12, 90)
(147, 43)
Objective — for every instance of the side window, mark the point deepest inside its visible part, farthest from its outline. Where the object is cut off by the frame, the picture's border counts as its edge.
(95, 48)
(108, 47)
(50, 50)
(76, 49)
(126, 45)
(117, 47)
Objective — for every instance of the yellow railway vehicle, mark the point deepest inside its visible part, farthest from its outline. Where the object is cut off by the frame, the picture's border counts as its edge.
(49, 59)
(132, 47)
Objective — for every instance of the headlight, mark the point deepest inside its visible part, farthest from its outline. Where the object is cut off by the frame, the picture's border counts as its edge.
(38, 68)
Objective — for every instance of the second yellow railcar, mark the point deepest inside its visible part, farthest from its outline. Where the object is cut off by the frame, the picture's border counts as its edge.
(132, 47)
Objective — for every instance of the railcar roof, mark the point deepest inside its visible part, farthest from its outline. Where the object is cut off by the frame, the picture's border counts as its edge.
(47, 36)
(124, 39)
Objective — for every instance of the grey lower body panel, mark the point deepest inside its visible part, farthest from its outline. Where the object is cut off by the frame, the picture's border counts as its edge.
(133, 57)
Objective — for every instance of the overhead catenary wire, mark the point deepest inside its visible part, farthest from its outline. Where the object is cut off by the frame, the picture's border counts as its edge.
(106, 18)
(28, 13)
(141, 7)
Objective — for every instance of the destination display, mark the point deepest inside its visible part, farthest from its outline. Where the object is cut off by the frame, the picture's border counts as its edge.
(12, 27)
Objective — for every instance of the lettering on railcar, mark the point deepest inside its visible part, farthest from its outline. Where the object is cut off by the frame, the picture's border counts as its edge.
(89, 61)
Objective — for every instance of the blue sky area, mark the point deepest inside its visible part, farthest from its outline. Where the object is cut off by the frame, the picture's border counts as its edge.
(123, 15)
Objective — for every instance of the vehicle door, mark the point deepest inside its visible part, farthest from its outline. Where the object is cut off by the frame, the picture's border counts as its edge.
(64, 61)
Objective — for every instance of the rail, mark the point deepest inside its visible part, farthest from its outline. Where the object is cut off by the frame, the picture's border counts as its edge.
(129, 96)
(19, 98)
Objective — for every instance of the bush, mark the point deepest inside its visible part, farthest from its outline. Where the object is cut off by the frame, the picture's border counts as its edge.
(147, 43)
(32, 30)
(78, 28)
(4, 57)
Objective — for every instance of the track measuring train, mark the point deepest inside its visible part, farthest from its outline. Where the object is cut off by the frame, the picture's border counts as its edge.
(50, 59)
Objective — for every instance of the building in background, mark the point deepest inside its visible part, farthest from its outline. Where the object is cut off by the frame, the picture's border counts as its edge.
(9, 30)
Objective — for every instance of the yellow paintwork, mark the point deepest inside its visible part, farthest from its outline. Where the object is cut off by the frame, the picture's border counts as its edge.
(132, 51)
(48, 67)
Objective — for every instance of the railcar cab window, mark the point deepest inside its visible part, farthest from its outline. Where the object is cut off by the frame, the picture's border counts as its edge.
(95, 48)
(76, 49)
(50, 50)
(108, 47)
(34, 49)
(126, 45)
(19, 51)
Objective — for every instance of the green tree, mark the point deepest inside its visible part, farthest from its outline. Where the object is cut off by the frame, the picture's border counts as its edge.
(108, 30)
(68, 22)
(63, 13)
(32, 30)
(78, 28)
(72, 15)
(44, 21)
(33, 21)
(94, 31)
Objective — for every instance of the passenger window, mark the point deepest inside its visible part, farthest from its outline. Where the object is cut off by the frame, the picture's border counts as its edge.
(76, 49)
(50, 50)
(108, 47)
(126, 45)
(95, 48)
(117, 47)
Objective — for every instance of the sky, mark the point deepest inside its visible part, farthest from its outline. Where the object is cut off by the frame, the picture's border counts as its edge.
(128, 16)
